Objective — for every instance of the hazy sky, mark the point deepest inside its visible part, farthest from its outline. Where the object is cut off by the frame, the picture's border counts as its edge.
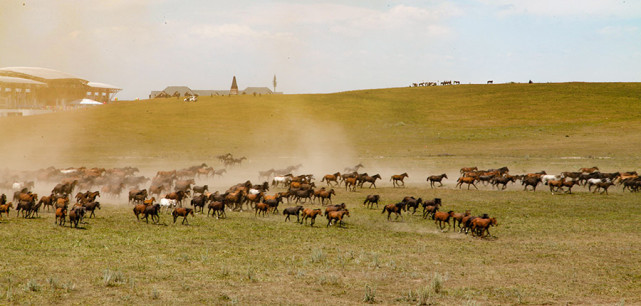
(323, 46)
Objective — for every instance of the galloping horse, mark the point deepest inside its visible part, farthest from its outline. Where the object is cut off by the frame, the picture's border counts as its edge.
(371, 199)
(443, 217)
(398, 178)
(467, 180)
(394, 208)
(331, 178)
(337, 216)
(370, 179)
(436, 178)
(182, 212)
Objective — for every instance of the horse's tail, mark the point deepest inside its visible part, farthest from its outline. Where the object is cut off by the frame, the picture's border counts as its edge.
(384, 209)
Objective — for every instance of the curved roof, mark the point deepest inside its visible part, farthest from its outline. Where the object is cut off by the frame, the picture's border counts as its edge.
(102, 85)
(38, 73)
(6, 79)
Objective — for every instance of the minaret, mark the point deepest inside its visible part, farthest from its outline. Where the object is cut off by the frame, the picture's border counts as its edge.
(234, 87)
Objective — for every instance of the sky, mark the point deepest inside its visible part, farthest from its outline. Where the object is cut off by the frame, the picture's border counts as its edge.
(323, 46)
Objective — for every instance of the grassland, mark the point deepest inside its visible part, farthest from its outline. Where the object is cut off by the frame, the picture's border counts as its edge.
(581, 248)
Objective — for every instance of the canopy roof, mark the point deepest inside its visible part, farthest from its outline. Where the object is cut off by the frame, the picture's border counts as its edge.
(103, 86)
(14, 80)
(37, 72)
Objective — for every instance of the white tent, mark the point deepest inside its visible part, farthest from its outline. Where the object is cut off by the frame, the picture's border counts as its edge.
(86, 102)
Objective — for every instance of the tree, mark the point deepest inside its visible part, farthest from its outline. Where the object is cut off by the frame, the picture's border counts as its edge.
(274, 82)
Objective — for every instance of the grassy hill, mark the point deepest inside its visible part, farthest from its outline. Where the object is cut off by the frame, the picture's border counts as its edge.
(480, 124)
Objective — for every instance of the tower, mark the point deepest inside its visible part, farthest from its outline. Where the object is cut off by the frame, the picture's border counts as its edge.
(234, 87)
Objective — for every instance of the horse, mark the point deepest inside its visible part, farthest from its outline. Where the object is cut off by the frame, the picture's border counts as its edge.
(61, 214)
(139, 209)
(200, 189)
(182, 212)
(350, 183)
(331, 208)
(91, 206)
(218, 208)
(480, 226)
(430, 207)
(152, 210)
(502, 180)
(292, 211)
(394, 208)
(469, 169)
(371, 199)
(530, 181)
(75, 216)
(309, 213)
(467, 180)
(46, 201)
(167, 204)
(459, 217)
(603, 185)
(443, 217)
(436, 178)
(589, 170)
(324, 194)
(337, 216)
(178, 196)
(354, 169)
(199, 202)
(398, 178)
(4, 208)
(370, 179)
(328, 178)
(261, 208)
(411, 202)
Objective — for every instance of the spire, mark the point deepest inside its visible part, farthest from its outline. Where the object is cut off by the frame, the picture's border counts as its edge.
(234, 87)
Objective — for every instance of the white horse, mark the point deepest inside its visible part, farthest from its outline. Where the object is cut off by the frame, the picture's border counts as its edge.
(280, 180)
(550, 177)
(167, 204)
(593, 181)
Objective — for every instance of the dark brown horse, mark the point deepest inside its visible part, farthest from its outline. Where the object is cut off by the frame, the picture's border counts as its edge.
(436, 179)
(397, 208)
(370, 200)
(370, 179)
(218, 208)
(292, 211)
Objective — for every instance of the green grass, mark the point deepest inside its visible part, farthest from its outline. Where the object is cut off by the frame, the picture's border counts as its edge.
(581, 248)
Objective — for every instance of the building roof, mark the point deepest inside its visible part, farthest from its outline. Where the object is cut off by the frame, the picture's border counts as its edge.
(14, 80)
(103, 86)
(182, 90)
(38, 73)
(257, 90)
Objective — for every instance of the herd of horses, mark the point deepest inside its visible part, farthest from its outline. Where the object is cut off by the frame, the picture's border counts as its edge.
(592, 178)
(175, 193)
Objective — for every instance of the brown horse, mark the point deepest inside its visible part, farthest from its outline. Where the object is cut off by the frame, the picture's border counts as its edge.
(309, 213)
(589, 170)
(458, 217)
(370, 179)
(469, 169)
(182, 212)
(436, 179)
(139, 210)
(261, 208)
(4, 208)
(61, 214)
(350, 183)
(153, 211)
(337, 216)
(480, 226)
(371, 199)
(431, 207)
(466, 180)
(395, 179)
(443, 217)
(394, 208)
(331, 208)
(326, 194)
(331, 178)
(75, 215)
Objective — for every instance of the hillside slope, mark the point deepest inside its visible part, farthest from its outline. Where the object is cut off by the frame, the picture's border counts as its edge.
(484, 124)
